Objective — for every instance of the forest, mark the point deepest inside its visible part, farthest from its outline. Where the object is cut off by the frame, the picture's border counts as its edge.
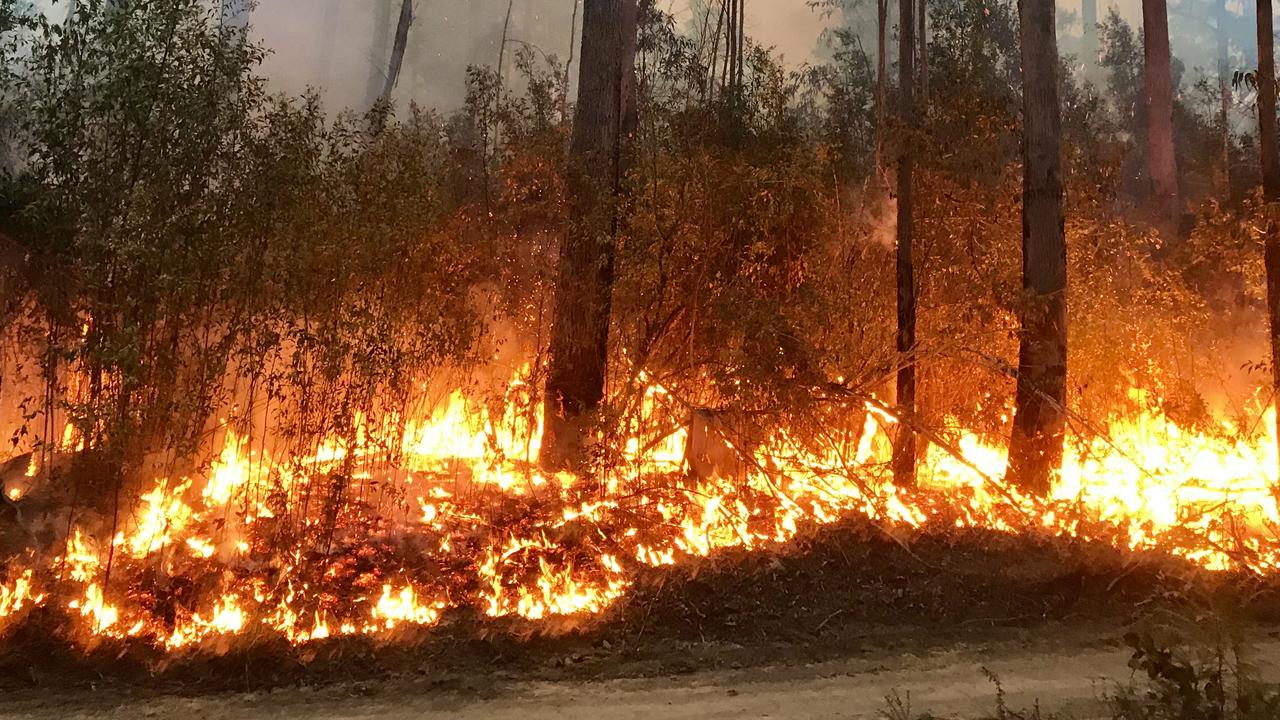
(659, 349)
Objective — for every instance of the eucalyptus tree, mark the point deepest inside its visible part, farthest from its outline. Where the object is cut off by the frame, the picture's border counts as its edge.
(1035, 450)
(904, 458)
(575, 381)
(1266, 82)
(1162, 163)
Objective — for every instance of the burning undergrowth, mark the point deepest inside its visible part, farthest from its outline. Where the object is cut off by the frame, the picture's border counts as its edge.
(832, 592)
(399, 524)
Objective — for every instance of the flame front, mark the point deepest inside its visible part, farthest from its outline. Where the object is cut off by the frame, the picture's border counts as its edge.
(460, 516)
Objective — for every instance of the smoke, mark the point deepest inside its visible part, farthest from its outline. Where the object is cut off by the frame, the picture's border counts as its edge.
(328, 45)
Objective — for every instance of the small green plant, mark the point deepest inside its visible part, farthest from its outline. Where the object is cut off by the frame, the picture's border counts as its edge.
(1221, 687)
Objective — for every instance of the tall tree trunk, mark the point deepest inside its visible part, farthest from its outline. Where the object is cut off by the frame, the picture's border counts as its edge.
(597, 165)
(741, 45)
(922, 50)
(882, 79)
(568, 66)
(1158, 80)
(397, 49)
(1035, 449)
(502, 59)
(904, 457)
(379, 52)
(1224, 93)
(1270, 180)
(731, 50)
(1089, 36)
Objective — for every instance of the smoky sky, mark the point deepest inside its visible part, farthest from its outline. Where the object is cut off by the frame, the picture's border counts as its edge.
(327, 45)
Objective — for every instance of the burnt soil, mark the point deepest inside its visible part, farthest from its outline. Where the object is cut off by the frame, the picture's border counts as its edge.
(842, 591)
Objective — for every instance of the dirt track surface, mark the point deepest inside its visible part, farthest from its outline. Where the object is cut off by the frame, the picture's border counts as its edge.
(949, 682)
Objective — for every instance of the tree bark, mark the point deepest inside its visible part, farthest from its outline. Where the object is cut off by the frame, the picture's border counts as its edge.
(597, 165)
(1270, 181)
(1035, 449)
(398, 48)
(1158, 81)
(904, 456)
(379, 52)
(741, 46)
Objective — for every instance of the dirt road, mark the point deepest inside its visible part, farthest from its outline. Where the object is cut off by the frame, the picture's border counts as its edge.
(949, 683)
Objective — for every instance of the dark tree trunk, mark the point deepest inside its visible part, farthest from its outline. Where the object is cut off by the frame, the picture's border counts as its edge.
(397, 49)
(1162, 165)
(597, 164)
(741, 43)
(1270, 177)
(732, 52)
(379, 52)
(1035, 449)
(904, 457)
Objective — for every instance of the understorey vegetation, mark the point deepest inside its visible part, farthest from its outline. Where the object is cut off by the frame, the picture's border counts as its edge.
(182, 234)
(198, 273)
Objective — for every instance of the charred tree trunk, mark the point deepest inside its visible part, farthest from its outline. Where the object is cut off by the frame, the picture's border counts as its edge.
(597, 164)
(397, 49)
(904, 456)
(1158, 80)
(1270, 178)
(1035, 449)
(379, 52)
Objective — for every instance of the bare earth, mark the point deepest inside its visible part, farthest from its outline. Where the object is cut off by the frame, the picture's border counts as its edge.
(1071, 677)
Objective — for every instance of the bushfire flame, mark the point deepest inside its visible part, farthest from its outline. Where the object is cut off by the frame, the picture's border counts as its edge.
(454, 513)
